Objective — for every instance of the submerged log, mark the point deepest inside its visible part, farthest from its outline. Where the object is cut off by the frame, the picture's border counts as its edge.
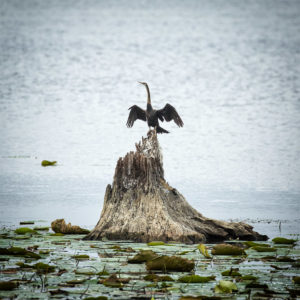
(141, 206)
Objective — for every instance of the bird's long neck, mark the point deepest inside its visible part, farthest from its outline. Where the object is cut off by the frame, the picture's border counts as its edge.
(148, 94)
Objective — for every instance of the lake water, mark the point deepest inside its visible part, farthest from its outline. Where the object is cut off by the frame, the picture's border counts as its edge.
(69, 72)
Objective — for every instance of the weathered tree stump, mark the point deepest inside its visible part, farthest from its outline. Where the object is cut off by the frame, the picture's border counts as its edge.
(141, 206)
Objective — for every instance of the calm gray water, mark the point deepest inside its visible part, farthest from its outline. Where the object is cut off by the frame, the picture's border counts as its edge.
(69, 72)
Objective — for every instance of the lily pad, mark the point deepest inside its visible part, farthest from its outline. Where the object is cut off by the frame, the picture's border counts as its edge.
(296, 279)
(44, 268)
(46, 163)
(26, 222)
(225, 286)
(282, 240)
(41, 228)
(156, 243)
(249, 277)
(81, 257)
(24, 230)
(196, 279)
(263, 249)
(203, 250)
(250, 244)
(232, 272)
(17, 251)
(170, 263)
(142, 256)
(114, 282)
(225, 249)
(156, 278)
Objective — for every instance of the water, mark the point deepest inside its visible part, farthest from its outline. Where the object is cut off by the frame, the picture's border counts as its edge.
(69, 71)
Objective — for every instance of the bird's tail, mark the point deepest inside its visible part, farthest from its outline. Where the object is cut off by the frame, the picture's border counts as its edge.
(161, 130)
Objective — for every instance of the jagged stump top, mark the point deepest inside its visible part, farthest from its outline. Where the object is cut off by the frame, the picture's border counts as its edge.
(141, 206)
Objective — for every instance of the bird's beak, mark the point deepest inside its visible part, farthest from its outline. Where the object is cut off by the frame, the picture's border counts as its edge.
(140, 82)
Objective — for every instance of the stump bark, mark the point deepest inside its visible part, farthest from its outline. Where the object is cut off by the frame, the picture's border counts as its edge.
(141, 206)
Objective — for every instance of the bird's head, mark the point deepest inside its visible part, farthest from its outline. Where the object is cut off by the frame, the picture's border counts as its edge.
(143, 83)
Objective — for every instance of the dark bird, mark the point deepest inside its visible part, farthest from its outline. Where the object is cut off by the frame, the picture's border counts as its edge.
(151, 115)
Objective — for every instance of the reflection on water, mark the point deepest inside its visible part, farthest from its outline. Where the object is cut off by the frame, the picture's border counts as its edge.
(69, 71)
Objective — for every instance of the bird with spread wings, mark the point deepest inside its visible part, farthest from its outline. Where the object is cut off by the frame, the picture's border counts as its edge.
(151, 116)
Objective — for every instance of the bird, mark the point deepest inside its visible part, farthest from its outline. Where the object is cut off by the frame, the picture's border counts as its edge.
(151, 116)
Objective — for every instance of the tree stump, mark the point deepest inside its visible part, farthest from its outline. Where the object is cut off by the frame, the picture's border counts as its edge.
(141, 206)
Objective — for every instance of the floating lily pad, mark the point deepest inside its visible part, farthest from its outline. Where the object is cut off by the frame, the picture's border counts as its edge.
(282, 240)
(24, 230)
(250, 244)
(256, 285)
(249, 277)
(203, 250)
(263, 249)
(44, 252)
(232, 272)
(296, 279)
(57, 234)
(225, 286)
(44, 268)
(17, 251)
(96, 298)
(81, 257)
(41, 228)
(170, 263)
(24, 266)
(114, 282)
(196, 279)
(46, 163)
(156, 243)
(142, 256)
(225, 249)
(76, 281)
(156, 278)
(26, 222)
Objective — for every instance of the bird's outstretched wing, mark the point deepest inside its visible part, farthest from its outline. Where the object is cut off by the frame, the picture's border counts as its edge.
(169, 113)
(135, 113)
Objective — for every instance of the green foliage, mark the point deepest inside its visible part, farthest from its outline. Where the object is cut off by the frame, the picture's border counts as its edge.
(17, 251)
(44, 251)
(249, 277)
(142, 256)
(226, 249)
(44, 268)
(170, 263)
(24, 230)
(57, 234)
(225, 286)
(157, 278)
(203, 250)
(232, 272)
(296, 279)
(41, 228)
(114, 282)
(24, 266)
(46, 163)
(196, 279)
(281, 240)
(263, 249)
(26, 222)
(81, 257)
(76, 281)
(96, 298)
(103, 272)
(250, 244)
(156, 243)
